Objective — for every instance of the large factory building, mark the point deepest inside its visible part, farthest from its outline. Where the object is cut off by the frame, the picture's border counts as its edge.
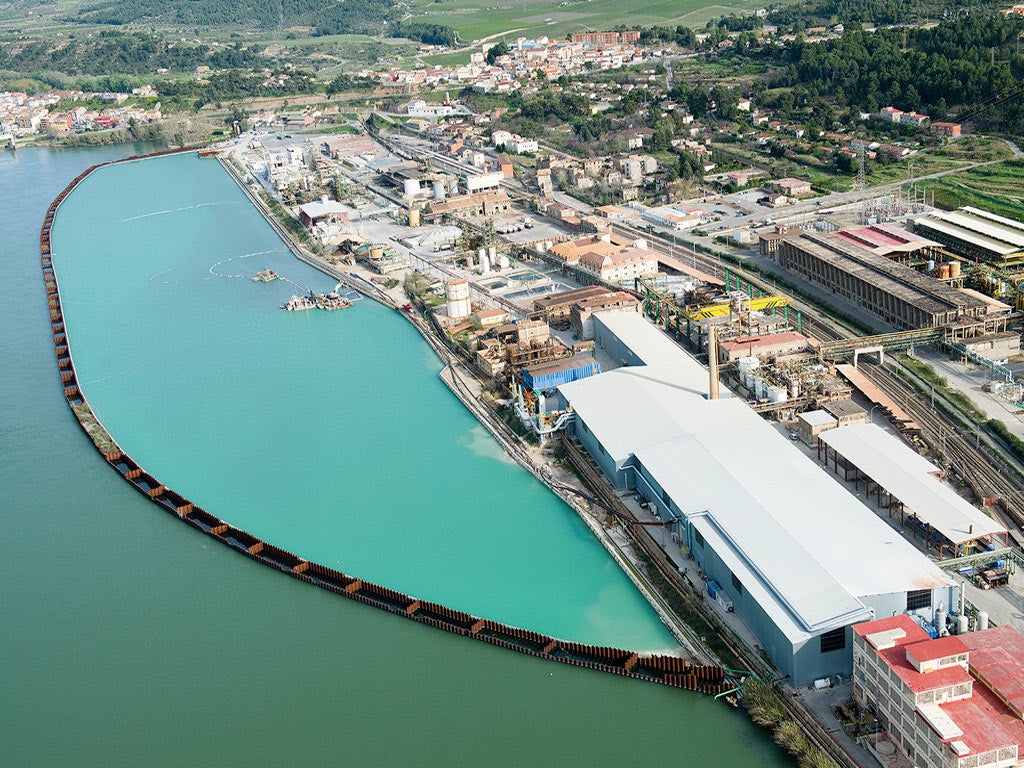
(976, 234)
(897, 294)
(799, 558)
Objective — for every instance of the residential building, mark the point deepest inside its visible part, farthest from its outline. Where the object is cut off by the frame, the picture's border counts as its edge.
(947, 129)
(791, 187)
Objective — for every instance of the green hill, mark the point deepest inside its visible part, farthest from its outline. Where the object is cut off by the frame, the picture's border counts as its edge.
(324, 16)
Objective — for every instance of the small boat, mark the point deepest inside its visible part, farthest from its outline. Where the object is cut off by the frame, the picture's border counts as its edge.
(298, 303)
(265, 276)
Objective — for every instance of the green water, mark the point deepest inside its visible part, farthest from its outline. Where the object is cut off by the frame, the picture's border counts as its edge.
(326, 433)
(130, 639)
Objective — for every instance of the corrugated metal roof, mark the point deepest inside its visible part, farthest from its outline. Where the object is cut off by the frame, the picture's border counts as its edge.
(807, 547)
(817, 418)
(788, 516)
(912, 479)
(954, 229)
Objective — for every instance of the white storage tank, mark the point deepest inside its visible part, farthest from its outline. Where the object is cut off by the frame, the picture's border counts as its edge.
(962, 624)
(412, 187)
(439, 189)
(747, 366)
(940, 621)
(982, 621)
(778, 394)
(485, 262)
(503, 262)
(458, 301)
(492, 252)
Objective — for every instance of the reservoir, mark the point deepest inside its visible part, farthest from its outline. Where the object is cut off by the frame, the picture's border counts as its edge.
(143, 643)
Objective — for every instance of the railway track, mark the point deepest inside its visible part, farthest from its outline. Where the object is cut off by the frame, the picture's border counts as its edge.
(987, 473)
(980, 465)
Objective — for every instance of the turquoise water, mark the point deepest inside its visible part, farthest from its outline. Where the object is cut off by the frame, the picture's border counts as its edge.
(326, 433)
(131, 640)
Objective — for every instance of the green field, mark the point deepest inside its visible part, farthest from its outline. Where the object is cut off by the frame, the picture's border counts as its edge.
(995, 188)
(971, 149)
(476, 20)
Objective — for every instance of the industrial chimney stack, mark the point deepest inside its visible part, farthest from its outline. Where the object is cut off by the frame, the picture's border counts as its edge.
(712, 362)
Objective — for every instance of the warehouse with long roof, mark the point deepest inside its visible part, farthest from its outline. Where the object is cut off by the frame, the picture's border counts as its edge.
(894, 292)
(976, 234)
(800, 558)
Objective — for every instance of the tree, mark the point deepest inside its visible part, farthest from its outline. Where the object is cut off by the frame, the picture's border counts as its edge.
(496, 50)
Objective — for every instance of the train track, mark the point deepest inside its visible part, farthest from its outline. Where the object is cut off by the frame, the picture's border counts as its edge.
(982, 467)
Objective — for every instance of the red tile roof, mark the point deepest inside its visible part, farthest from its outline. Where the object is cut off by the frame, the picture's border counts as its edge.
(985, 721)
(919, 682)
(930, 650)
(997, 658)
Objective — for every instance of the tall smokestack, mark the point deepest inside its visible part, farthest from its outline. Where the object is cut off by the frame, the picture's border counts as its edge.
(712, 362)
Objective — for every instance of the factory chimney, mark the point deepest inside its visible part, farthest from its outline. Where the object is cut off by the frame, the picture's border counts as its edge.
(712, 362)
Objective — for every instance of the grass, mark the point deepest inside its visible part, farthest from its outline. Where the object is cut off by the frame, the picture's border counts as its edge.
(478, 19)
(945, 158)
(995, 188)
(446, 59)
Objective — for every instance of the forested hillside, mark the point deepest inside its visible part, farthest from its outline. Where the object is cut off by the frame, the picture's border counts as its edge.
(118, 53)
(972, 61)
(326, 16)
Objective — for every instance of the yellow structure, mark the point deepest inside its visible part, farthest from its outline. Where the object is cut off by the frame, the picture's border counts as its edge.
(735, 307)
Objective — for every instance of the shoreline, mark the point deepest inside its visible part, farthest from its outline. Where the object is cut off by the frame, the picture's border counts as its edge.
(668, 670)
(455, 375)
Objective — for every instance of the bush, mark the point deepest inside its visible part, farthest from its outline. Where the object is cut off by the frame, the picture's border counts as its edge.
(789, 736)
(1014, 443)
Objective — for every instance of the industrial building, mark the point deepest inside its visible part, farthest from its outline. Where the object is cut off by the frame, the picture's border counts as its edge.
(947, 701)
(556, 308)
(894, 242)
(583, 311)
(546, 376)
(762, 346)
(976, 234)
(909, 487)
(799, 557)
(481, 204)
(895, 293)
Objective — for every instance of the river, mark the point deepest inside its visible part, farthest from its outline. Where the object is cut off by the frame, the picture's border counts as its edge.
(131, 639)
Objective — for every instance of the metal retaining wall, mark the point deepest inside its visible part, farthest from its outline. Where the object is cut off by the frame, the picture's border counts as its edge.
(667, 670)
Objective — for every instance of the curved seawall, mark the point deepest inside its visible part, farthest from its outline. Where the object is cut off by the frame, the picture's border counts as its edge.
(668, 670)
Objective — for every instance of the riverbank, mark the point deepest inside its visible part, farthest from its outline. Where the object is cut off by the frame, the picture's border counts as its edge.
(464, 384)
(640, 556)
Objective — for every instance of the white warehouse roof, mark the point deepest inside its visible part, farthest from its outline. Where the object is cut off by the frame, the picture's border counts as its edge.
(813, 549)
(636, 406)
(912, 479)
(801, 544)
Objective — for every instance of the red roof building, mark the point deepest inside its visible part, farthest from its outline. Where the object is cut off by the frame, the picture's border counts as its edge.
(947, 701)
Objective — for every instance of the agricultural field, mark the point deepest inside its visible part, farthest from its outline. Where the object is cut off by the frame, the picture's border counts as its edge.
(995, 188)
(477, 20)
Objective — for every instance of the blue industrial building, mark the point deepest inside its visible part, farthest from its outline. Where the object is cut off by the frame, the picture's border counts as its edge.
(554, 373)
(799, 558)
